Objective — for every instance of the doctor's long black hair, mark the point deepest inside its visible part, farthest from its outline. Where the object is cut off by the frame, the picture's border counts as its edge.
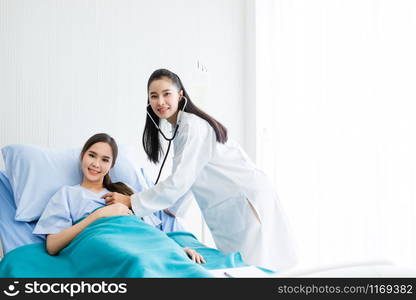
(151, 141)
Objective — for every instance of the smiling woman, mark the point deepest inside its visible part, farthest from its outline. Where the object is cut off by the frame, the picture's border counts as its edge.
(241, 209)
(71, 203)
(73, 208)
(98, 156)
(95, 164)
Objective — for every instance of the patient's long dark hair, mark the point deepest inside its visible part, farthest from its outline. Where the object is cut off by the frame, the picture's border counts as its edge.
(118, 187)
(150, 140)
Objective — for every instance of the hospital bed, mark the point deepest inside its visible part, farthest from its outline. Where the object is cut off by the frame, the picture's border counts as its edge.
(137, 249)
(25, 254)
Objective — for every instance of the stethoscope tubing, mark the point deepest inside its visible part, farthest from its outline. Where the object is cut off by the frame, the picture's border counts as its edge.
(166, 138)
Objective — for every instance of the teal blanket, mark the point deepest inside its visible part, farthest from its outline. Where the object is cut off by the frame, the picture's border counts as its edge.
(121, 246)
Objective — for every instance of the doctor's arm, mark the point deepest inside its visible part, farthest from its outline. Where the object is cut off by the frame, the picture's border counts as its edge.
(181, 206)
(195, 149)
(178, 209)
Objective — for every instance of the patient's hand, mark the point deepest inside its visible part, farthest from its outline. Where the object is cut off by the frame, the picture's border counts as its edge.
(195, 256)
(116, 209)
(114, 197)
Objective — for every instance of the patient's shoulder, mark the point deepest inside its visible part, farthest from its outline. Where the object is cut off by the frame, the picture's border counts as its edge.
(64, 190)
(69, 188)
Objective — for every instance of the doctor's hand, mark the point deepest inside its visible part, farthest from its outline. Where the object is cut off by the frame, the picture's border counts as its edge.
(195, 256)
(116, 209)
(114, 197)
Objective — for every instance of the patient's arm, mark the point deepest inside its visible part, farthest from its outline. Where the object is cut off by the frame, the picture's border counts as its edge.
(56, 242)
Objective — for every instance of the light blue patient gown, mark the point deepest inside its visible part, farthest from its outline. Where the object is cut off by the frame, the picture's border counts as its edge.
(72, 203)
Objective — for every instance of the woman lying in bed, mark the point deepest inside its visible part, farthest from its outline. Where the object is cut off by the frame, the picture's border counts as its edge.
(83, 202)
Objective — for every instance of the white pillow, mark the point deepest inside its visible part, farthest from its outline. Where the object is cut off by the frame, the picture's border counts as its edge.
(37, 173)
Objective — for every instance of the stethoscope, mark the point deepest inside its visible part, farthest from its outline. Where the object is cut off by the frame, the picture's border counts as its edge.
(164, 136)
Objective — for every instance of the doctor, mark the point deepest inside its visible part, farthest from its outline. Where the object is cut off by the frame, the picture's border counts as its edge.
(237, 201)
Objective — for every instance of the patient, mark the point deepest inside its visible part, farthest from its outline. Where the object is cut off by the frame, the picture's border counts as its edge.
(83, 201)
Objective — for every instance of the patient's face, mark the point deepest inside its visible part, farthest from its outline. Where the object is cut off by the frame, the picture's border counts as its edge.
(96, 162)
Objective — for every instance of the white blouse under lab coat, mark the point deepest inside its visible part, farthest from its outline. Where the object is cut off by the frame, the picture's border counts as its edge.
(236, 199)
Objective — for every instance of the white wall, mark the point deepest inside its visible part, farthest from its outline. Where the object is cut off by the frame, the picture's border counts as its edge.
(69, 69)
(250, 66)
(337, 97)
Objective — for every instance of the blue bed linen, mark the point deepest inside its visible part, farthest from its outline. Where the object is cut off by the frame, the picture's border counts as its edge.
(13, 233)
(214, 258)
(122, 246)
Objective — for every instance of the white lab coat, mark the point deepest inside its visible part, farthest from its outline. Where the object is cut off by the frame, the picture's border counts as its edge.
(236, 199)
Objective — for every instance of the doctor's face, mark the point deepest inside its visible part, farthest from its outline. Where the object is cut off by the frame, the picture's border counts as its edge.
(164, 97)
(96, 162)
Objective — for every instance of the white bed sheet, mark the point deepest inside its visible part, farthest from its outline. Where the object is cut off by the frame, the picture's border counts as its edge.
(376, 268)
